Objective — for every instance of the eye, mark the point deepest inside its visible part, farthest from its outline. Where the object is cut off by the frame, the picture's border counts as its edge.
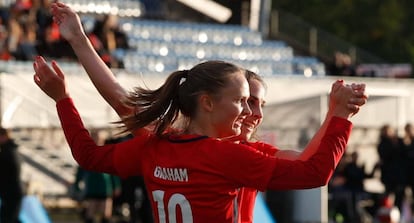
(253, 102)
(250, 101)
(243, 100)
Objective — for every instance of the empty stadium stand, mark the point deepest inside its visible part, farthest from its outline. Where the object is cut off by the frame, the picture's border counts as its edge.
(165, 46)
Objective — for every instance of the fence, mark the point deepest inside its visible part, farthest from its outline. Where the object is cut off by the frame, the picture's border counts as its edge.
(313, 41)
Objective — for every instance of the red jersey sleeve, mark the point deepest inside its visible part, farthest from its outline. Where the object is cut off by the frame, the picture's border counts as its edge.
(119, 159)
(264, 148)
(84, 149)
(318, 169)
(247, 167)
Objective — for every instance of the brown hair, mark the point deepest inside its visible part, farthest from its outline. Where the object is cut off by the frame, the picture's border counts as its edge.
(250, 75)
(178, 95)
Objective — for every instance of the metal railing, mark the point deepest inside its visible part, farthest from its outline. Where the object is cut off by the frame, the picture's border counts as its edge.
(309, 39)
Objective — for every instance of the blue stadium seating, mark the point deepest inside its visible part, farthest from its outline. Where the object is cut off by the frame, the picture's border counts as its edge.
(165, 46)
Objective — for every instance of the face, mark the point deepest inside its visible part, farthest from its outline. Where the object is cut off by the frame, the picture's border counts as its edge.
(256, 103)
(230, 107)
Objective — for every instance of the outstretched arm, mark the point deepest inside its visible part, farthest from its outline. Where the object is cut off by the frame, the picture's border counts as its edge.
(338, 106)
(104, 80)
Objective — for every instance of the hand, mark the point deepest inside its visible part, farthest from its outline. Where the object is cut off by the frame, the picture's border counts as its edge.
(345, 100)
(70, 26)
(359, 99)
(52, 82)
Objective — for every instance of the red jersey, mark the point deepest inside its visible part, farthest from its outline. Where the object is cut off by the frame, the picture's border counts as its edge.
(247, 196)
(192, 178)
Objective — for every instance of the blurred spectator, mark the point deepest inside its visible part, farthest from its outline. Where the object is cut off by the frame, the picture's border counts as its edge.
(97, 192)
(341, 66)
(354, 175)
(4, 49)
(27, 43)
(391, 162)
(22, 28)
(27, 30)
(46, 34)
(408, 147)
(11, 188)
(388, 212)
(306, 132)
(22, 5)
(14, 35)
(340, 201)
(109, 41)
(49, 41)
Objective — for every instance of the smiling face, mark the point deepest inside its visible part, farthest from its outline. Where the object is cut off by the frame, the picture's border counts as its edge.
(256, 103)
(231, 106)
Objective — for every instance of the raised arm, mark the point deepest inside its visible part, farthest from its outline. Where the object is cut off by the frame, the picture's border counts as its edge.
(88, 155)
(104, 80)
(338, 106)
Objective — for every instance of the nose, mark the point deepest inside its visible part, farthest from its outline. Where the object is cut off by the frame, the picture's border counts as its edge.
(257, 111)
(246, 109)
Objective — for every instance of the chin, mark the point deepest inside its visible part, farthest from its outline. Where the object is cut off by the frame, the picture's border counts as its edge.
(236, 132)
(246, 134)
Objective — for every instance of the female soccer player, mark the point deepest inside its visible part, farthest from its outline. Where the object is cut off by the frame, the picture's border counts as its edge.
(247, 196)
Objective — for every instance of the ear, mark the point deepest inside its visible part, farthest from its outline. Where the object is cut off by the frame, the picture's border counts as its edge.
(206, 102)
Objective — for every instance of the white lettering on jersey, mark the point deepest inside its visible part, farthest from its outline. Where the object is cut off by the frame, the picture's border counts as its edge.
(172, 174)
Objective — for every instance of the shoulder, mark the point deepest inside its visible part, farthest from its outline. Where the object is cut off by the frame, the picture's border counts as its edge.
(262, 147)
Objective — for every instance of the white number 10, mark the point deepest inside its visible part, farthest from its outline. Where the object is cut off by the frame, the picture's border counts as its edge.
(175, 199)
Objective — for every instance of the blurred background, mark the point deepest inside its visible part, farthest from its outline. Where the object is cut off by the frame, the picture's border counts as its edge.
(299, 47)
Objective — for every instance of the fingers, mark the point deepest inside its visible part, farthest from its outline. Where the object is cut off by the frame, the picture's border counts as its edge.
(50, 79)
(359, 90)
(361, 94)
(57, 17)
(43, 71)
(59, 12)
(40, 66)
(36, 75)
(353, 95)
(36, 79)
(357, 101)
(337, 85)
(36, 68)
(354, 108)
(355, 86)
(57, 69)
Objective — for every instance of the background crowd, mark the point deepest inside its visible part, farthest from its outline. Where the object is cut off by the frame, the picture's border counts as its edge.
(27, 30)
(350, 198)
